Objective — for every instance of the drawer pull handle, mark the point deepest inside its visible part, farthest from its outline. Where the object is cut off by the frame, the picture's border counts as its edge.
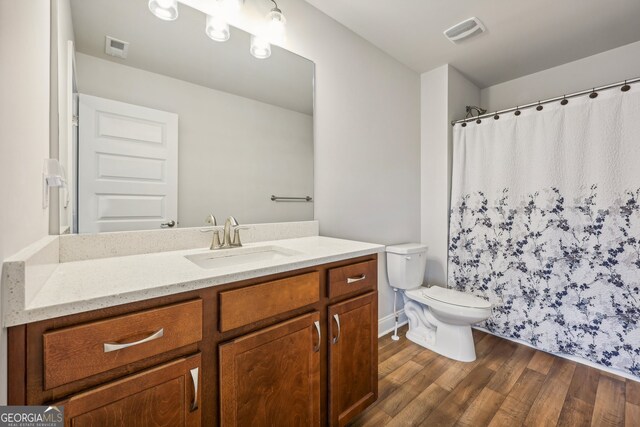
(116, 346)
(337, 337)
(194, 378)
(356, 279)
(317, 347)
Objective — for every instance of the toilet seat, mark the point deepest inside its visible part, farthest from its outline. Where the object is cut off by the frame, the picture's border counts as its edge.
(451, 296)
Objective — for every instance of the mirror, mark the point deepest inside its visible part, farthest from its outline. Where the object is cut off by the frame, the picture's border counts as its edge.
(160, 125)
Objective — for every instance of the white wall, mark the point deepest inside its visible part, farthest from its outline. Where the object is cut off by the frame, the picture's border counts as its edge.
(24, 130)
(598, 70)
(367, 136)
(233, 152)
(434, 172)
(444, 94)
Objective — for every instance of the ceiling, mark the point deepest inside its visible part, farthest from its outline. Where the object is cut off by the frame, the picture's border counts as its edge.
(523, 37)
(181, 49)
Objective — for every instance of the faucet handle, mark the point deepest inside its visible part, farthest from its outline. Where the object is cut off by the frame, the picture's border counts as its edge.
(211, 220)
(236, 235)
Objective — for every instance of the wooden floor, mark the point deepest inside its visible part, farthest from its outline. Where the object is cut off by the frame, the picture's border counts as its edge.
(508, 385)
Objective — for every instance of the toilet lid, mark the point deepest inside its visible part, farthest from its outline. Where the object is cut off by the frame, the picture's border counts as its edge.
(451, 296)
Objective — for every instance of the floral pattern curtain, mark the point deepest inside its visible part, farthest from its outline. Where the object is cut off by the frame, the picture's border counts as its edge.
(545, 224)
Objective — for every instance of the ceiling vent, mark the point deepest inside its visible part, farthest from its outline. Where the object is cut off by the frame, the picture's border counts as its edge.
(117, 48)
(464, 30)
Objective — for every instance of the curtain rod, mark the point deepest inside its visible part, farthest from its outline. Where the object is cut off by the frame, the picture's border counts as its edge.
(547, 101)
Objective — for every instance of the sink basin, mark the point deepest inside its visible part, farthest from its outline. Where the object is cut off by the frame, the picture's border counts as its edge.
(237, 256)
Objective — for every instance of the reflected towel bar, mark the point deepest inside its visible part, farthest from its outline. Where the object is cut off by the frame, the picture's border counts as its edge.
(291, 199)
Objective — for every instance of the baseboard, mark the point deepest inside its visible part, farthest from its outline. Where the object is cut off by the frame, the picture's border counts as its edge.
(568, 357)
(387, 323)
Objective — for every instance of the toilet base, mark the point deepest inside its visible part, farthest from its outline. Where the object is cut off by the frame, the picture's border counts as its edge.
(452, 341)
(455, 344)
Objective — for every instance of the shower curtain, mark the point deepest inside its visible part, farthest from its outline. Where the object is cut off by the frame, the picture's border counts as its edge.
(545, 224)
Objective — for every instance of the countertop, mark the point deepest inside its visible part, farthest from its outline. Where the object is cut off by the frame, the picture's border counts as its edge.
(80, 286)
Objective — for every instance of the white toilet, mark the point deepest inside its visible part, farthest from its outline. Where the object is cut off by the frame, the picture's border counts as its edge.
(440, 319)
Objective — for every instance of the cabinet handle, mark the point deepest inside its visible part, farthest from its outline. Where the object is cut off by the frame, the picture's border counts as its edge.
(317, 347)
(194, 378)
(356, 279)
(116, 346)
(337, 337)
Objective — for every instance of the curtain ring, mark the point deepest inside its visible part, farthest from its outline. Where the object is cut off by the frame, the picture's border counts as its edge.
(464, 124)
(564, 101)
(593, 94)
(496, 117)
(478, 121)
(626, 87)
(518, 112)
(539, 107)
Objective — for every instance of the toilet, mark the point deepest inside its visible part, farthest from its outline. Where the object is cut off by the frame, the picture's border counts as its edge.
(440, 319)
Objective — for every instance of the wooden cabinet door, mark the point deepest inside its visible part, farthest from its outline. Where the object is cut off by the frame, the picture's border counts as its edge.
(272, 377)
(353, 357)
(167, 395)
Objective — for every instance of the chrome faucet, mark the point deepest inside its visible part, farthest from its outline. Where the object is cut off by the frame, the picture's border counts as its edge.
(230, 225)
(230, 222)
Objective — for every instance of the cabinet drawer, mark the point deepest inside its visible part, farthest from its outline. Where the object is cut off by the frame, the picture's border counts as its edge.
(353, 278)
(244, 306)
(80, 351)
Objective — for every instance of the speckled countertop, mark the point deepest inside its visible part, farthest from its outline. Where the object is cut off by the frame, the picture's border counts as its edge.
(80, 286)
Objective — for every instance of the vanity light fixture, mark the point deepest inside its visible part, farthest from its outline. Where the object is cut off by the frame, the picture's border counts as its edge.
(260, 47)
(217, 28)
(167, 10)
(273, 32)
(276, 24)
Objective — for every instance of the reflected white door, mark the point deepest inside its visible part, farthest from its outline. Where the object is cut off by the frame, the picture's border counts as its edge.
(127, 166)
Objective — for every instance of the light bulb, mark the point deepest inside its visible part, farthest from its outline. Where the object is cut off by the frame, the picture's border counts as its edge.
(276, 23)
(166, 10)
(260, 47)
(217, 28)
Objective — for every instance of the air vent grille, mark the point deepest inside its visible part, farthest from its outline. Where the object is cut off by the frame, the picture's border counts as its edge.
(464, 30)
(115, 47)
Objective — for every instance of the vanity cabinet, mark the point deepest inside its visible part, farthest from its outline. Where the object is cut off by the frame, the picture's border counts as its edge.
(353, 357)
(272, 377)
(262, 351)
(167, 395)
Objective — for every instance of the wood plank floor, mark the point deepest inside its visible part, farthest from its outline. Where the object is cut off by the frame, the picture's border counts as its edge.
(508, 385)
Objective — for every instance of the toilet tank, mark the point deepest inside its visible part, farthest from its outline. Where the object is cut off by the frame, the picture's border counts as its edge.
(406, 264)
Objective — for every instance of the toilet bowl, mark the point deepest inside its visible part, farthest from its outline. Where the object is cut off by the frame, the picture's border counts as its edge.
(440, 319)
